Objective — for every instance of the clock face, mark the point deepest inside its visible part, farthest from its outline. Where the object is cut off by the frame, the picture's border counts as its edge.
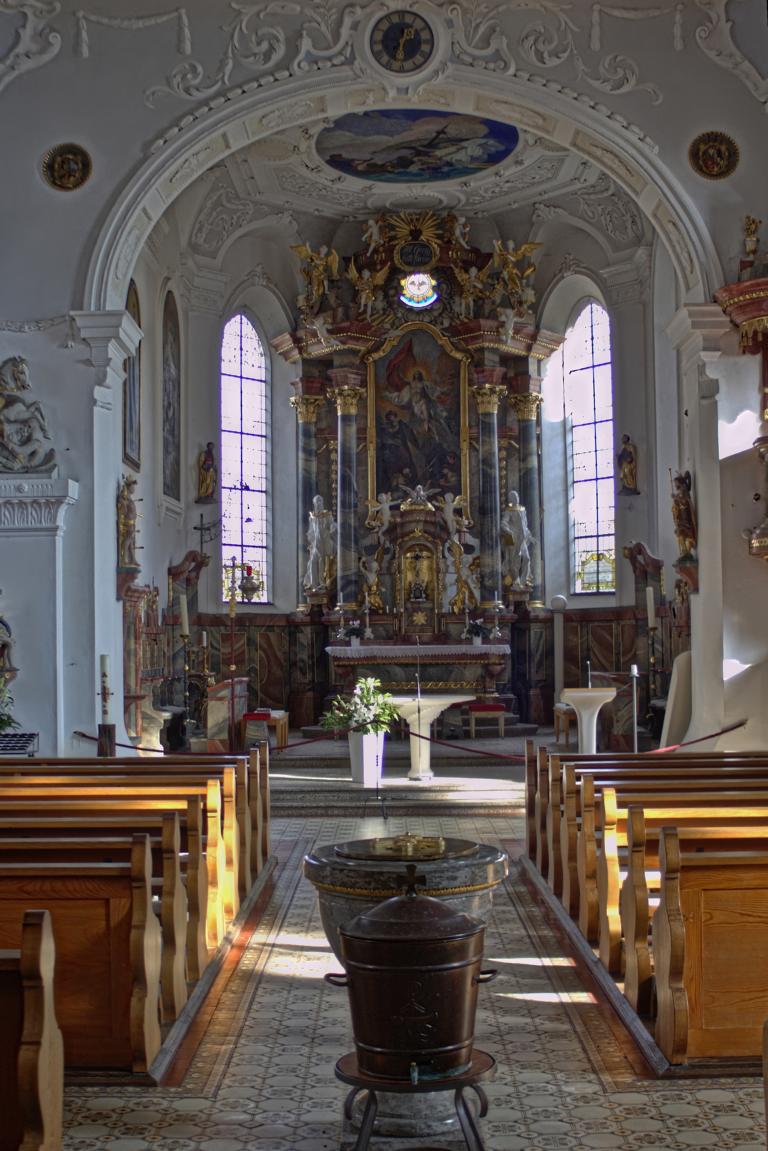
(402, 42)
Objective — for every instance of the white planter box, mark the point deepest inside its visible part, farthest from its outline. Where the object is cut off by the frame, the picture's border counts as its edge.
(366, 756)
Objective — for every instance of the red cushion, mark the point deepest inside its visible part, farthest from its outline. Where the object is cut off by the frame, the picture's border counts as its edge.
(257, 715)
(497, 707)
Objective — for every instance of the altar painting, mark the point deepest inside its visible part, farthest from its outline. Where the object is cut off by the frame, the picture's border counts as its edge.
(419, 404)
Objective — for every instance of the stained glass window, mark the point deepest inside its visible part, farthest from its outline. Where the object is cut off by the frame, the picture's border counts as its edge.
(246, 532)
(588, 400)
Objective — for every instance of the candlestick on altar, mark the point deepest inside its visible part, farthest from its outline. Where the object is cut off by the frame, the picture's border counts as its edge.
(495, 630)
(340, 633)
(465, 633)
(367, 632)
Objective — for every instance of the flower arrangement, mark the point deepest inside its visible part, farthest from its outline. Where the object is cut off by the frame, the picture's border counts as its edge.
(367, 710)
(477, 627)
(353, 628)
(7, 722)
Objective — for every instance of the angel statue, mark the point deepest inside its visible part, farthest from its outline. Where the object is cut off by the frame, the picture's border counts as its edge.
(368, 286)
(374, 233)
(380, 514)
(318, 269)
(506, 258)
(473, 285)
(450, 506)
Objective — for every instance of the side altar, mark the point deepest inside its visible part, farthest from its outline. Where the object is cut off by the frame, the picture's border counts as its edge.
(418, 392)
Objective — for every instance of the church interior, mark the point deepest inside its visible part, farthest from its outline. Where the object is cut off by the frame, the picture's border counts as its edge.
(400, 369)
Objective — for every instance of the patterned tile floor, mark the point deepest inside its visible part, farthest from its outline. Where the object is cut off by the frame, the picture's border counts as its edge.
(261, 1078)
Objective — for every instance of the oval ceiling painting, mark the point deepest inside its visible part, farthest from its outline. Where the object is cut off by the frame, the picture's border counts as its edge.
(399, 146)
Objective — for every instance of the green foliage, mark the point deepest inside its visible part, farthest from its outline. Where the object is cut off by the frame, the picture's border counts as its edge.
(7, 722)
(367, 710)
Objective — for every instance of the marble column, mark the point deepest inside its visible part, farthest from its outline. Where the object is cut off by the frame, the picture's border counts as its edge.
(488, 391)
(347, 392)
(526, 406)
(306, 408)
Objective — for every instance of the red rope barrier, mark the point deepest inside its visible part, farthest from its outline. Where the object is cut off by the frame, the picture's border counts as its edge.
(700, 739)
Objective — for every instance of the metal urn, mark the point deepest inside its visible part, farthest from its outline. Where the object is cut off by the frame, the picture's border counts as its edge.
(412, 972)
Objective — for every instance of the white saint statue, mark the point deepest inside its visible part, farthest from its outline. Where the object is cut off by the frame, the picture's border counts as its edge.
(321, 542)
(515, 540)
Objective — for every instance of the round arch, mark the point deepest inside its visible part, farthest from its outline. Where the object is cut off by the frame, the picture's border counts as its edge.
(248, 115)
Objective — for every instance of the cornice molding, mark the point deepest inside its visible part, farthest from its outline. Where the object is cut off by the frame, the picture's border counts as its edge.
(32, 505)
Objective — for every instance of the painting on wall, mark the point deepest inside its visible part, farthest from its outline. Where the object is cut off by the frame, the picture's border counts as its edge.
(171, 399)
(420, 403)
(132, 390)
(409, 145)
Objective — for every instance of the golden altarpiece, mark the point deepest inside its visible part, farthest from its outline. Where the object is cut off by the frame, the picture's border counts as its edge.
(417, 401)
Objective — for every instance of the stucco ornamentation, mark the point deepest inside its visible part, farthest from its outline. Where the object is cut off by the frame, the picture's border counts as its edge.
(715, 40)
(35, 43)
(604, 204)
(132, 24)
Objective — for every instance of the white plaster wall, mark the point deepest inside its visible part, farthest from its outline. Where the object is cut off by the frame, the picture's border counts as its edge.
(664, 422)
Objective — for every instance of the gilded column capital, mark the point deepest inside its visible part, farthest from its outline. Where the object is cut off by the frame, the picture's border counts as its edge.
(526, 404)
(346, 399)
(307, 407)
(487, 397)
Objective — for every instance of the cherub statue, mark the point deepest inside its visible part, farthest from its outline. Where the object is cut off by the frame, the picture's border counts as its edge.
(368, 286)
(380, 514)
(450, 504)
(374, 233)
(457, 228)
(473, 285)
(507, 258)
(318, 270)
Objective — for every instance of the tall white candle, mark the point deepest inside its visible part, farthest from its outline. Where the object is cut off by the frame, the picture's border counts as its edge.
(105, 693)
(204, 640)
(650, 606)
(183, 614)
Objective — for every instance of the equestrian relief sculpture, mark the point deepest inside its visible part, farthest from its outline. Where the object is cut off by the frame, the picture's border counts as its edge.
(23, 427)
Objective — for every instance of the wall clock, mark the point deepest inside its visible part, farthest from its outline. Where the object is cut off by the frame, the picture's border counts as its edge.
(402, 41)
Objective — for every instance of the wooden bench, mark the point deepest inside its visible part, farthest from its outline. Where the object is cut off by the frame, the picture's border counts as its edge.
(563, 816)
(173, 910)
(108, 953)
(640, 886)
(712, 806)
(710, 945)
(31, 1050)
(27, 797)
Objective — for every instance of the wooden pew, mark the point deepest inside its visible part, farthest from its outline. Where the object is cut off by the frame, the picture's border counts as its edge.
(713, 807)
(565, 823)
(113, 849)
(640, 888)
(557, 779)
(251, 789)
(201, 836)
(26, 797)
(710, 945)
(108, 954)
(31, 1050)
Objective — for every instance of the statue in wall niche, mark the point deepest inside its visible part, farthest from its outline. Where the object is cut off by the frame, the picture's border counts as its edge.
(207, 475)
(516, 539)
(321, 543)
(627, 461)
(127, 516)
(23, 427)
(684, 514)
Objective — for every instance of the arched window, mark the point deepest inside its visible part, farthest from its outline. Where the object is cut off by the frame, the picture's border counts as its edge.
(246, 532)
(588, 412)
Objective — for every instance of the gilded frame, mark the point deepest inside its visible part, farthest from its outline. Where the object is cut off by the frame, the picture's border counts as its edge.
(455, 353)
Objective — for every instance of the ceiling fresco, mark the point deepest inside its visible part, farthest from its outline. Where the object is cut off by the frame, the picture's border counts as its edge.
(398, 146)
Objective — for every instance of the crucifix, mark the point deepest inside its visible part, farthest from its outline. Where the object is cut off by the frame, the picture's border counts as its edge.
(208, 531)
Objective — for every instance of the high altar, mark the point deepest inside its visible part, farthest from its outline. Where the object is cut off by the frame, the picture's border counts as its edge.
(417, 402)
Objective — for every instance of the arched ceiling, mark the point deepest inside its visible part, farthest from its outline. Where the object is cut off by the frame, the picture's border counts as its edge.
(286, 179)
